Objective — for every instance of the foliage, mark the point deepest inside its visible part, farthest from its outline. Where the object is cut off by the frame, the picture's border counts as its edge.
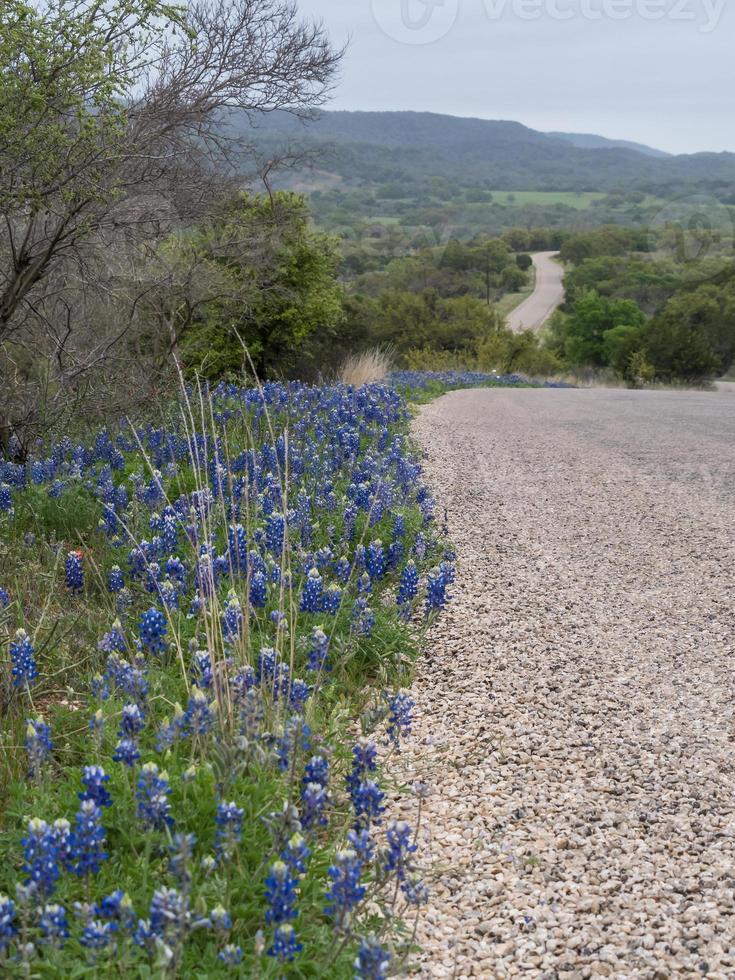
(580, 337)
(193, 799)
(276, 287)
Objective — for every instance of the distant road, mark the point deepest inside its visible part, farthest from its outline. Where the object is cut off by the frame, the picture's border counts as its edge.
(533, 312)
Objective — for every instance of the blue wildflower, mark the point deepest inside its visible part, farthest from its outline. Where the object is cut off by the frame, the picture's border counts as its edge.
(400, 718)
(312, 592)
(93, 780)
(400, 847)
(314, 801)
(38, 744)
(4, 598)
(372, 961)
(258, 590)
(54, 925)
(152, 793)
(409, 585)
(8, 928)
(280, 893)
(220, 919)
(115, 580)
(230, 955)
(232, 619)
(153, 628)
(22, 656)
(198, 718)
(74, 572)
(87, 840)
(346, 890)
(41, 854)
(126, 751)
(284, 947)
(228, 819)
(364, 762)
(316, 771)
(132, 721)
(375, 561)
(97, 935)
(295, 854)
(318, 651)
(181, 850)
(368, 803)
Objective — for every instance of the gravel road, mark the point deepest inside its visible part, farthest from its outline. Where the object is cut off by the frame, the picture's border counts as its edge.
(575, 708)
(533, 312)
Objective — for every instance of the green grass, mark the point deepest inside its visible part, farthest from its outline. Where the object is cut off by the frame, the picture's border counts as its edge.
(572, 199)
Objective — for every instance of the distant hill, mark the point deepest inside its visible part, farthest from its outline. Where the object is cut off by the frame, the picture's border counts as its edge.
(365, 149)
(588, 141)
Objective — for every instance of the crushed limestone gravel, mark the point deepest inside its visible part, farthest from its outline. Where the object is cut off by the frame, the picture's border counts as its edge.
(575, 705)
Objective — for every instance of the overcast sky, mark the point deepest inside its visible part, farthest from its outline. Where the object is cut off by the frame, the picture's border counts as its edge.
(658, 71)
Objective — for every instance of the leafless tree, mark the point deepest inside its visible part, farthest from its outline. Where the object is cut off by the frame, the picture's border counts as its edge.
(150, 141)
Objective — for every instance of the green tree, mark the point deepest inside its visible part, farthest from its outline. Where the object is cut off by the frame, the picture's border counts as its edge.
(591, 317)
(278, 288)
(693, 338)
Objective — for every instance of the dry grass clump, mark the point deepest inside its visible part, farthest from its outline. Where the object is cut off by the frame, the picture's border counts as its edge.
(367, 367)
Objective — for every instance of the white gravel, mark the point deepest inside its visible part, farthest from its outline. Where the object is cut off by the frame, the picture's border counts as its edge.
(576, 702)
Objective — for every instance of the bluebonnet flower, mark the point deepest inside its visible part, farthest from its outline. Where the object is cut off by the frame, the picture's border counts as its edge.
(169, 915)
(415, 891)
(258, 590)
(198, 718)
(298, 695)
(152, 793)
(280, 893)
(201, 669)
(362, 844)
(365, 584)
(93, 780)
(314, 801)
(228, 819)
(87, 840)
(118, 908)
(332, 600)
(372, 961)
(132, 721)
(346, 890)
(409, 585)
(363, 618)
(284, 947)
(375, 561)
(126, 751)
(436, 588)
(364, 762)
(220, 919)
(232, 619)
(41, 856)
(74, 572)
(275, 527)
(115, 579)
(181, 850)
(22, 656)
(6, 500)
(316, 771)
(4, 598)
(61, 836)
(311, 595)
(8, 928)
(153, 628)
(54, 925)
(318, 650)
(400, 847)
(99, 688)
(38, 744)
(230, 955)
(296, 854)
(368, 803)
(97, 935)
(400, 718)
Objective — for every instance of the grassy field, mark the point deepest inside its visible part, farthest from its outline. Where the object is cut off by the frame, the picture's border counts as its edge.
(580, 200)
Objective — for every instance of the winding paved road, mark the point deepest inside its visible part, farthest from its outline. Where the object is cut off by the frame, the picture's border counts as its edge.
(575, 730)
(533, 312)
